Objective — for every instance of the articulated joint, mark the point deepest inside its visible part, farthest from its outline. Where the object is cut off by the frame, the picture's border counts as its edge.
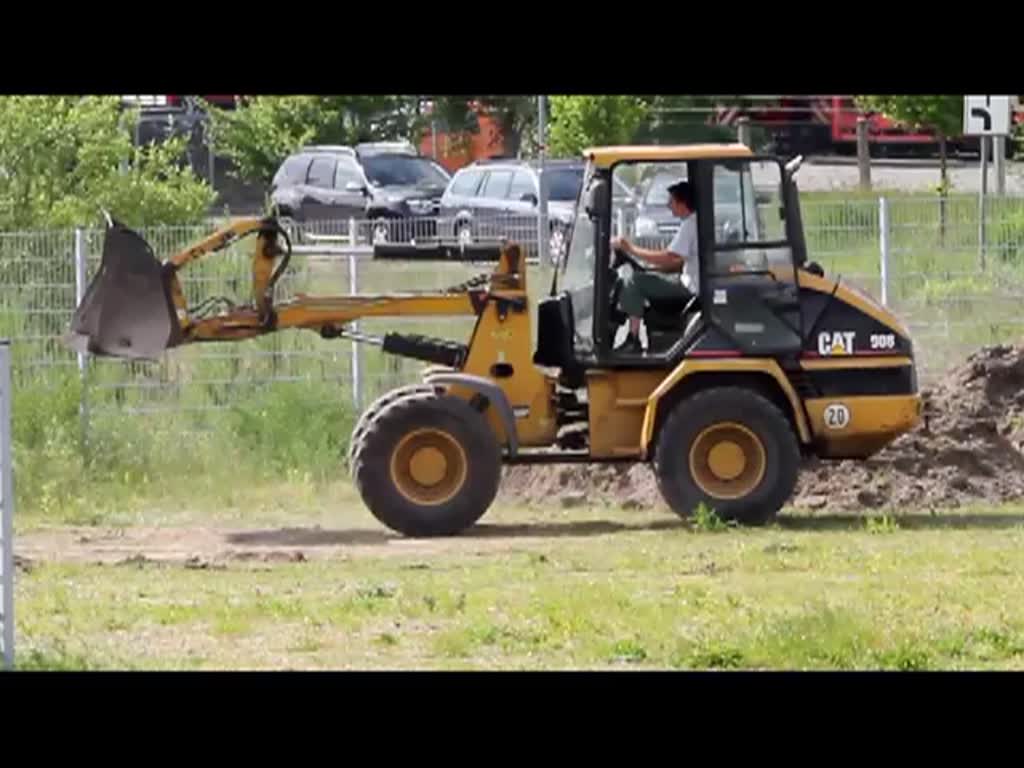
(495, 396)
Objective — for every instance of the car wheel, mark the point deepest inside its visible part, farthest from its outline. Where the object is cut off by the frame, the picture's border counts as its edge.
(381, 232)
(556, 245)
(464, 233)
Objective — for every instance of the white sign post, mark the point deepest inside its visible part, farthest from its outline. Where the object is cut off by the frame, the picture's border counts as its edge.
(987, 117)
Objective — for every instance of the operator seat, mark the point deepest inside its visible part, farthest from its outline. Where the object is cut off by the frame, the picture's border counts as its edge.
(670, 314)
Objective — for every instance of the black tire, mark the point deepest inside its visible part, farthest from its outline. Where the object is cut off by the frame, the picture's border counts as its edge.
(470, 480)
(382, 230)
(359, 430)
(736, 411)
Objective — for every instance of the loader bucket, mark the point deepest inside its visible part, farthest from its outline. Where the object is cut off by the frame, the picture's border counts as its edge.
(127, 309)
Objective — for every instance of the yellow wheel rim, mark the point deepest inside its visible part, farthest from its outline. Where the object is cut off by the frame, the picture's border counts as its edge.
(727, 461)
(428, 467)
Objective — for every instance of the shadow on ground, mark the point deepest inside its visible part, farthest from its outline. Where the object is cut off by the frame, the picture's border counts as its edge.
(915, 521)
(309, 537)
(318, 537)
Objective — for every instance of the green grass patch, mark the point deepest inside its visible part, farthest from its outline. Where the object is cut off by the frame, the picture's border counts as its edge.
(822, 592)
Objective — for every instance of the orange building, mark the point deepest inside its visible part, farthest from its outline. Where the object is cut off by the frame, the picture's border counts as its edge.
(457, 150)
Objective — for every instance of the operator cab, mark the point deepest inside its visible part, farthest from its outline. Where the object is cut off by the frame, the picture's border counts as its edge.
(750, 244)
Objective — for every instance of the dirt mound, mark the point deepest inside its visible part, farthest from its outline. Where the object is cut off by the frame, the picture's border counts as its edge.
(969, 448)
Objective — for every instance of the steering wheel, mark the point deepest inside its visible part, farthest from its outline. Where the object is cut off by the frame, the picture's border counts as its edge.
(622, 257)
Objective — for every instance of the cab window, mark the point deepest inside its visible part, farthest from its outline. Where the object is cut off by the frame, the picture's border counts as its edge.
(750, 225)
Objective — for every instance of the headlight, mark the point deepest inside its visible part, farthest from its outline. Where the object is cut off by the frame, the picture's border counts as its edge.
(645, 227)
(420, 206)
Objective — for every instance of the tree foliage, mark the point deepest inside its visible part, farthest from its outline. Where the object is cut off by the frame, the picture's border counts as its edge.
(581, 121)
(679, 119)
(63, 159)
(262, 132)
(944, 114)
(257, 136)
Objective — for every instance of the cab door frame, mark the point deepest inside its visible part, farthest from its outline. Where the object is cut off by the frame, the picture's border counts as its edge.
(710, 249)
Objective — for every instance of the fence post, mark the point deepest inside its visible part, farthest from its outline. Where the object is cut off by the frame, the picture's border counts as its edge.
(999, 157)
(883, 232)
(6, 507)
(353, 288)
(211, 157)
(986, 143)
(81, 265)
(743, 132)
(863, 153)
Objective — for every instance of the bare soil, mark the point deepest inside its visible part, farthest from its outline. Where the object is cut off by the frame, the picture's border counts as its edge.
(969, 449)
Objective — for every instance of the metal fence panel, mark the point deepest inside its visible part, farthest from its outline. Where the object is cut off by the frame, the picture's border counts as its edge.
(954, 290)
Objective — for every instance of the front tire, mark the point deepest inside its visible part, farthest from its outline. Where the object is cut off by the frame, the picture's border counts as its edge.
(428, 465)
(464, 233)
(378, 405)
(731, 449)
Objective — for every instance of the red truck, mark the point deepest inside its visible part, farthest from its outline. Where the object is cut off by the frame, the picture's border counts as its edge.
(828, 124)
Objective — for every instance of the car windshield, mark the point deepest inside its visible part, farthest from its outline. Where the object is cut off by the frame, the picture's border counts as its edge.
(403, 171)
(564, 185)
(657, 193)
(727, 189)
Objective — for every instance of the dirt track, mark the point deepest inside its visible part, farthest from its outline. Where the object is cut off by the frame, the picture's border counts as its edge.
(211, 547)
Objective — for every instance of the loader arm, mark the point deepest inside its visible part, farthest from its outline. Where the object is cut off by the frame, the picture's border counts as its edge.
(324, 314)
(136, 306)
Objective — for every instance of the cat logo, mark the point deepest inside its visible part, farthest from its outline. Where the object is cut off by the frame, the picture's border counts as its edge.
(838, 343)
(501, 335)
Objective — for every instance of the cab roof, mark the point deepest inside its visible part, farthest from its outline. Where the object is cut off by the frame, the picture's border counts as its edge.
(605, 157)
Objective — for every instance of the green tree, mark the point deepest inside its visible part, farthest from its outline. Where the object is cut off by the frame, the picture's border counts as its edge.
(258, 135)
(943, 114)
(679, 119)
(64, 158)
(581, 121)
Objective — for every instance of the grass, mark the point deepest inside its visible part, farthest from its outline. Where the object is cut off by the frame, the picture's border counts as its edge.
(525, 591)
(295, 435)
(587, 589)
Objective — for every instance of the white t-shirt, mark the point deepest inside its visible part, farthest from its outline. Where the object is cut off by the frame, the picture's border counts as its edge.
(685, 244)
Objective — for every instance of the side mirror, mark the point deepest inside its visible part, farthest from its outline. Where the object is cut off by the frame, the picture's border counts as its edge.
(530, 198)
(355, 186)
(597, 198)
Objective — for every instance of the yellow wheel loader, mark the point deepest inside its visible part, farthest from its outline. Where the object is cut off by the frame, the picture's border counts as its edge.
(770, 362)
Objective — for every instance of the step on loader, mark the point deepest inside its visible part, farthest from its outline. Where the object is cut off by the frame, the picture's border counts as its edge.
(770, 362)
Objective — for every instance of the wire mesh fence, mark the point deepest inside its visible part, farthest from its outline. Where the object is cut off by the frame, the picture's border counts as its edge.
(957, 279)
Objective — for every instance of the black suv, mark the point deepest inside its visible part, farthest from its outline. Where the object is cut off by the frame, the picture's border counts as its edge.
(383, 182)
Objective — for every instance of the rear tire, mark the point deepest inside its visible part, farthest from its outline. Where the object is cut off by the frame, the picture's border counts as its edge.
(731, 449)
(428, 465)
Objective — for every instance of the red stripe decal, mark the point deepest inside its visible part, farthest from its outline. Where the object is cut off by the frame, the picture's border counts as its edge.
(817, 356)
(714, 353)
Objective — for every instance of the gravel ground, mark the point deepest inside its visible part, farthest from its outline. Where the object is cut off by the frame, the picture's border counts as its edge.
(823, 174)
